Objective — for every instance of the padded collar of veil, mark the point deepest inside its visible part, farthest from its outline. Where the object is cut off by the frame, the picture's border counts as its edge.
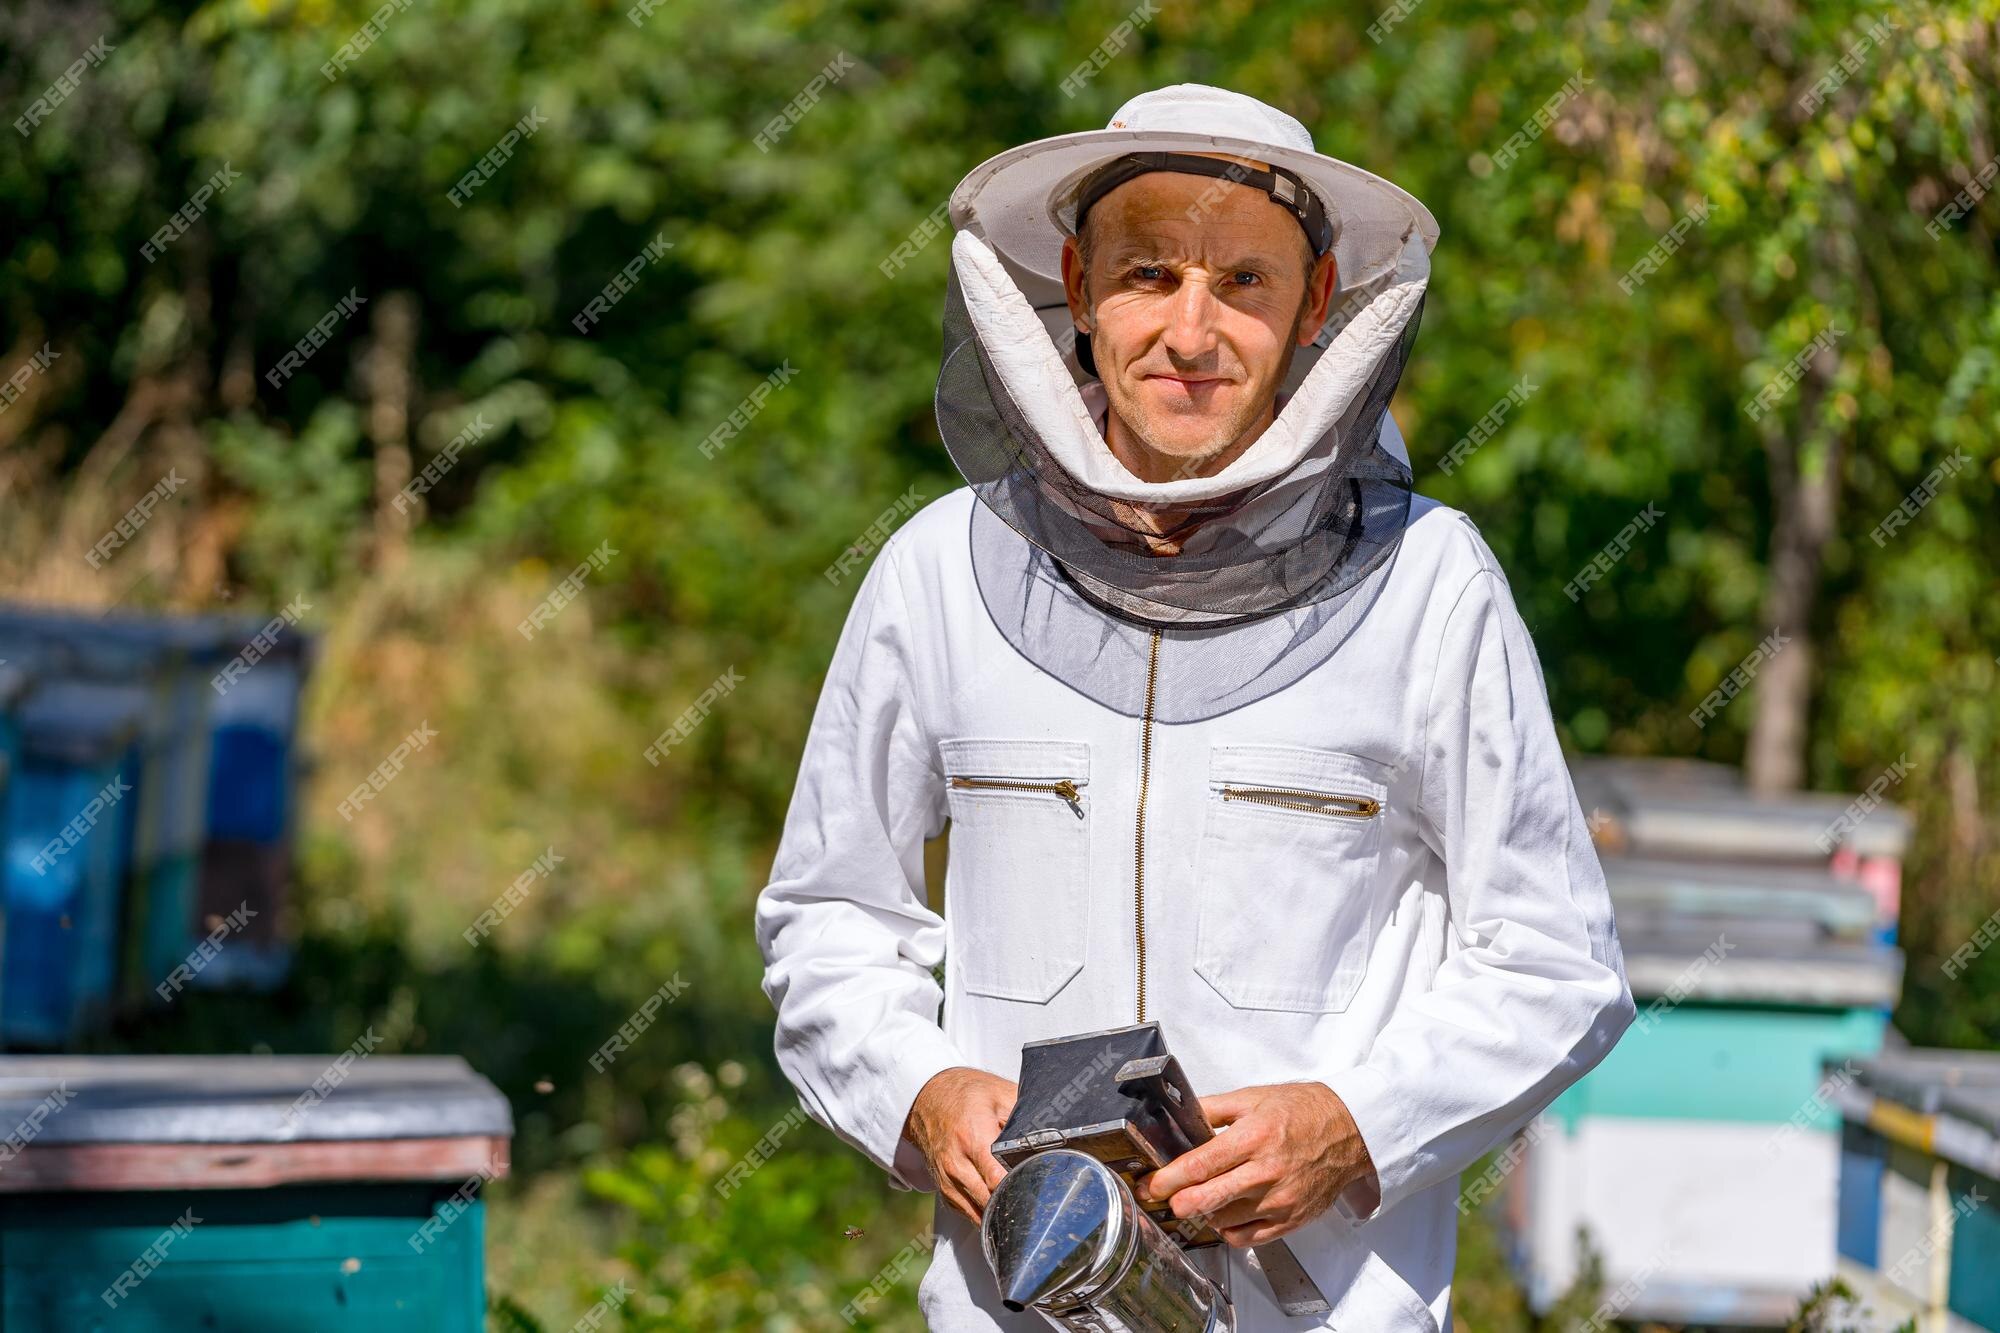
(1044, 391)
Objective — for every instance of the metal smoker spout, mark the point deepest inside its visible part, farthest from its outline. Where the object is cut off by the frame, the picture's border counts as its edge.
(1065, 1237)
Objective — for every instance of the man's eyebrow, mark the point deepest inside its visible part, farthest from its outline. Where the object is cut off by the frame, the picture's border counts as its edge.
(1131, 251)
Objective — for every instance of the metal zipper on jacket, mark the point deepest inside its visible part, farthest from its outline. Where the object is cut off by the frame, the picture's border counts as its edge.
(1139, 836)
(1063, 788)
(1312, 802)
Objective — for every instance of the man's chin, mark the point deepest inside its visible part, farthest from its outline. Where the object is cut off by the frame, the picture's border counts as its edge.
(1189, 437)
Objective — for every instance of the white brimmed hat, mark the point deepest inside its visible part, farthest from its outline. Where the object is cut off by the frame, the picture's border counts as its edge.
(1022, 201)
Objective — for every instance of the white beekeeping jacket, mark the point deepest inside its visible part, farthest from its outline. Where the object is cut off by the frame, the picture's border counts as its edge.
(1377, 877)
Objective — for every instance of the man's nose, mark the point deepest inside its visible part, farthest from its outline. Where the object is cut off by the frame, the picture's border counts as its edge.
(1190, 331)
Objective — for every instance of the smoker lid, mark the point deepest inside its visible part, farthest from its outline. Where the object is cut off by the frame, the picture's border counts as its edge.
(1068, 1083)
(234, 1099)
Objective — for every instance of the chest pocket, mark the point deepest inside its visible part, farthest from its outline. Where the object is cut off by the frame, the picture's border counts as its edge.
(1017, 881)
(1289, 903)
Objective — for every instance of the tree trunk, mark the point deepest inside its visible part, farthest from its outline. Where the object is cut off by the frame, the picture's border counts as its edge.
(388, 369)
(1805, 494)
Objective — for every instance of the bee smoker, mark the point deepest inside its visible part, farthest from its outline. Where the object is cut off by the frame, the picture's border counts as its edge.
(1064, 1232)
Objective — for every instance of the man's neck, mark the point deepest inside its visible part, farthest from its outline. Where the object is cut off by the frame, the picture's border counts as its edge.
(1149, 464)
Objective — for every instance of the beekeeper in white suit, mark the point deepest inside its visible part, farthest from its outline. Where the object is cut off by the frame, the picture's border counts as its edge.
(1232, 731)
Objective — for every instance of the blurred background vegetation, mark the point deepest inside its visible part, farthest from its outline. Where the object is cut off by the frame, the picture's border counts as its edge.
(1815, 220)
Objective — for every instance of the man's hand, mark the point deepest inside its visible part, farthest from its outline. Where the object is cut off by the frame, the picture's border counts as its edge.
(1288, 1151)
(953, 1123)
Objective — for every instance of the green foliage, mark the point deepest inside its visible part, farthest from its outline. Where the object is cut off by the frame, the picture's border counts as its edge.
(1833, 1307)
(734, 1225)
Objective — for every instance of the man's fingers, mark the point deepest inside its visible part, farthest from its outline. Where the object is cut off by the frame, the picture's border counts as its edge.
(1227, 1106)
(1214, 1195)
(1256, 1233)
(1240, 1212)
(988, 1166)
(967, 1209)
(1211, 1159)
(968, 1194)
(973, 1179)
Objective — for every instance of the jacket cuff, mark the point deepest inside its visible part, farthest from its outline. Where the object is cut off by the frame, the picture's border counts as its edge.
(1365, 1093)
(921, 1054)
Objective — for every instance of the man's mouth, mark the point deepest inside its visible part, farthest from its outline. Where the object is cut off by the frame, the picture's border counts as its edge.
(1191, 381)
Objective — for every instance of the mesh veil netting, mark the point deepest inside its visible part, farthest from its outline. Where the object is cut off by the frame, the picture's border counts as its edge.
(1270, 578)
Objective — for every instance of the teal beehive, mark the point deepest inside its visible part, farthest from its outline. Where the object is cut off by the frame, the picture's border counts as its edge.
(1701, 1155)
(245, 1194)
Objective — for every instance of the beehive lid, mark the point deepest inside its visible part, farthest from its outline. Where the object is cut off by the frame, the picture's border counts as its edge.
(1736, 967)
(236, 629)
(84, 722)
(246, 1099)
(1943, 1103)
(1689, 808)
(159, 1122)
(1801, 902)
(1961, 1084)
(135, 633)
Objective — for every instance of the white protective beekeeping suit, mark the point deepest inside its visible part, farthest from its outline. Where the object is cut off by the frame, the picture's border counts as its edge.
(1294, 793)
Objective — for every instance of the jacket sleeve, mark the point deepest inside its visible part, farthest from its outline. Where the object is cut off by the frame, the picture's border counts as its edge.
(847, 934)
(1531, 992)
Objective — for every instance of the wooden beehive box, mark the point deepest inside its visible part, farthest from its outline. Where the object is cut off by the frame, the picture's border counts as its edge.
(155, 1193)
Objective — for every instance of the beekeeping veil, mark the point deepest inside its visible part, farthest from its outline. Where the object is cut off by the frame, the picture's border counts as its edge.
(1282, 550)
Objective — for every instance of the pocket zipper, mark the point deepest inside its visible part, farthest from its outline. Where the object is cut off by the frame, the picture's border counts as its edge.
(1311, 802)
(1063, 788)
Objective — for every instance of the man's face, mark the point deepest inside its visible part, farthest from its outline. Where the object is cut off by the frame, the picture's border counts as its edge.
(1196, 294)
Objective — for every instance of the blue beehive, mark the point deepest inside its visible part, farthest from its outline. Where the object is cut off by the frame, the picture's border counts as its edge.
(254, 720)
(70, 823)
(159, 917)
(252, 800)
(1919, 1165)
(217, 716)
(13, 684)
(174, 658)
(171, 660)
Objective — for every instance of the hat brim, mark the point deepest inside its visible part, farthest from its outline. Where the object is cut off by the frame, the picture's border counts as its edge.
(1014, 201)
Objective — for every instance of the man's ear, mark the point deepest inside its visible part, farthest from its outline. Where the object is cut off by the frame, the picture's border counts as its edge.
(1073, 285)
(1321, 283)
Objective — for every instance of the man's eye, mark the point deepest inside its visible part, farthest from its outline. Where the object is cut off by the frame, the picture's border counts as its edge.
(1245, 278)
(1149, 273)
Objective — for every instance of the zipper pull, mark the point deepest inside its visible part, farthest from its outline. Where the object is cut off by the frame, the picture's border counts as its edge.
(1067, 790)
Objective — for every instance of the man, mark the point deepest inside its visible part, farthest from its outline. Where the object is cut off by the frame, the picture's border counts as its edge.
(1232, 731)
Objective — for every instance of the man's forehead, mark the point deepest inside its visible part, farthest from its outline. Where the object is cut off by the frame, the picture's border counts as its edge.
(1192, 213)
(1173, 238)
